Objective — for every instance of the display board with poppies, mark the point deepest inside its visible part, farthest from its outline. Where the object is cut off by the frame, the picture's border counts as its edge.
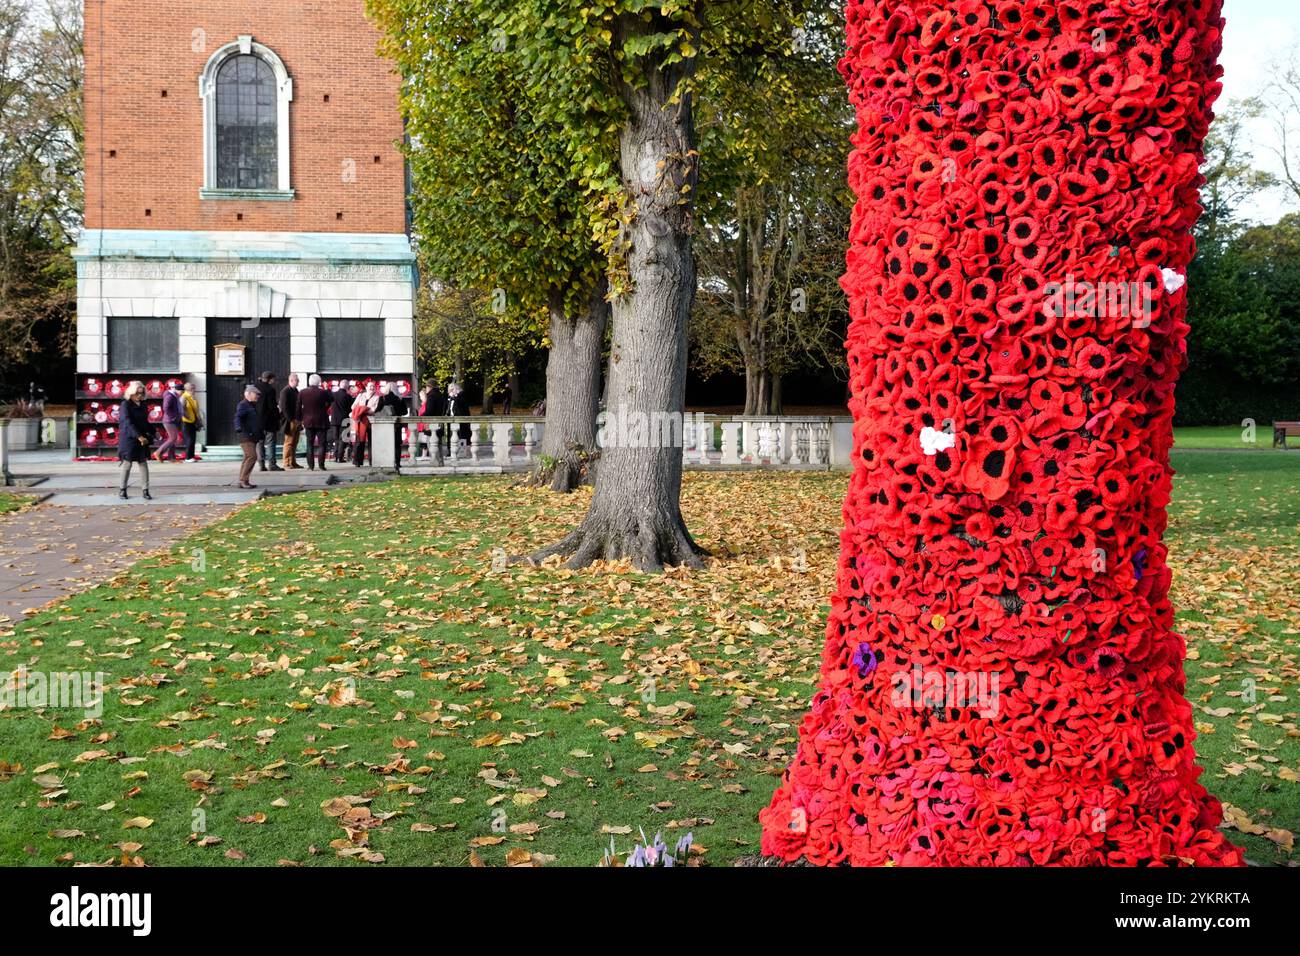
(1001, 684)
(99, 403)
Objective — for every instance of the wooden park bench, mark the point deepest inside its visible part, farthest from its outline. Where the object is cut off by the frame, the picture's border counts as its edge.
(1284, 430)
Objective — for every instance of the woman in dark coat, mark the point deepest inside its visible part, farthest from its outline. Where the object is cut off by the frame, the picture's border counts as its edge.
(458, 406)
(134, 436)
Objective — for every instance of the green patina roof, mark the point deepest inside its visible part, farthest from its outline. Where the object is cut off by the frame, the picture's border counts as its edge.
(169, 245)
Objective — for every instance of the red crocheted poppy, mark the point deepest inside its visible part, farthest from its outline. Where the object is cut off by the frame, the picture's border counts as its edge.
(1091, 359)
(1076, 187)
(936, 28)
(1105, 79)
(1023, 231)
(987, 469)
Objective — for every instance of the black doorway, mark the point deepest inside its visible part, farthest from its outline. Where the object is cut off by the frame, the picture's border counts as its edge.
(266, 350)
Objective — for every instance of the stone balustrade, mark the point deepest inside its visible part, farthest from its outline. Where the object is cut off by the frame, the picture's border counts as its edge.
(512, 442)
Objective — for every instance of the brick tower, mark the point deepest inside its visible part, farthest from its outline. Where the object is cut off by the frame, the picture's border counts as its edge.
(244, 185)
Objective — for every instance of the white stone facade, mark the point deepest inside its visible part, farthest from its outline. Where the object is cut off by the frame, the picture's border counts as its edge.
(195, 277)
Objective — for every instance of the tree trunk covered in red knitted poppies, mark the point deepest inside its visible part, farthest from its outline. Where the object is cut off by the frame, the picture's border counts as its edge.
(1000, 683)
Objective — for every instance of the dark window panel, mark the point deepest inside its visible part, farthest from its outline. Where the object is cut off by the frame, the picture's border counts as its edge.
(350, 345)
(143, 345)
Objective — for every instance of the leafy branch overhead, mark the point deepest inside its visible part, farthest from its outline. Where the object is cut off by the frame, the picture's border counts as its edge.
(514, 113)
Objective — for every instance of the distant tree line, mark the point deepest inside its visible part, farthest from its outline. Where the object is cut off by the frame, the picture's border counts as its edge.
(1244, 284)
(40, 189)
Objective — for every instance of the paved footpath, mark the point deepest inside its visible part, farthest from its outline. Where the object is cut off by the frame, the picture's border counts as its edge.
(83, 534)
(49, 551)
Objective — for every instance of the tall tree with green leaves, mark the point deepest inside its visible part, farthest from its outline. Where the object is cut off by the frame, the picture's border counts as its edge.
(40, 181)
(646, 55)
(608, 91)
(466, 333)
(1231, 177)
(774, 207)
(658, 54)
(497, 206)
(1243, 349)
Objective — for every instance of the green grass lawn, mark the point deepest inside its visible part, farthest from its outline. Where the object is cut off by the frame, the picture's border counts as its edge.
(1234, 549)
(328, 676)
(1228, 436)
(10, 502)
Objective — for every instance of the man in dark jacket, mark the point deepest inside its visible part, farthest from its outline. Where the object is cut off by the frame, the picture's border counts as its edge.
(268, 420)
(340, 413)
(314, 404)
(248, 428)
(291, 417)
(390, 399)
(391, 403)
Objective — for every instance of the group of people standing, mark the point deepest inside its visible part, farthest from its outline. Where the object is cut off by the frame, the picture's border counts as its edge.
(453, 404)
(323, 416)
(338, 421)
(181, 422)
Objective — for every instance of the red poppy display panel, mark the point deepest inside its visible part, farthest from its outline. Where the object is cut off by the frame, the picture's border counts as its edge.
(1001, 683)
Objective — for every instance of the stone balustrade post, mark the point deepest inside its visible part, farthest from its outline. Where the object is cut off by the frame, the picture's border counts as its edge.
(412, 441)
(785, 441)
(821, 452)
(6, 477)
(453, 441)
(501, 443)
(475, 440)
(749, 440)
(531, 441)
(731, 442)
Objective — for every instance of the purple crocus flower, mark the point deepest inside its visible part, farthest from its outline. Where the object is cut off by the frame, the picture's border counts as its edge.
(1140, 563)
(864, 659)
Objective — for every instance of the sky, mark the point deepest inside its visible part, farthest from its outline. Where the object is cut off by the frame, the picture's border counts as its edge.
(1258, 34)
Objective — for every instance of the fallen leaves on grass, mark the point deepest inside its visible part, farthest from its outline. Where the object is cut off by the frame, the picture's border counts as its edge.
(334, 638)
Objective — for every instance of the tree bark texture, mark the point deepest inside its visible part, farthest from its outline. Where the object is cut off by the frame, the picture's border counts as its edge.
(635, 511)
(572, 392)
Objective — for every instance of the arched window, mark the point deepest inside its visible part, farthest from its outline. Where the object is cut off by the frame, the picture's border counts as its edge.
(246, 94)
(247, 155)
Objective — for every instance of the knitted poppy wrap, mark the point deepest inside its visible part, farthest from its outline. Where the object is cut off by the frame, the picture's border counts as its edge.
(1001, 684)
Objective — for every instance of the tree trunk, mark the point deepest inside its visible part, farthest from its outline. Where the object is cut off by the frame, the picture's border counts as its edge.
(512, 384)
(762, 392)
(753, 385)
(635, 511)
(608, 374)
(572, 393)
